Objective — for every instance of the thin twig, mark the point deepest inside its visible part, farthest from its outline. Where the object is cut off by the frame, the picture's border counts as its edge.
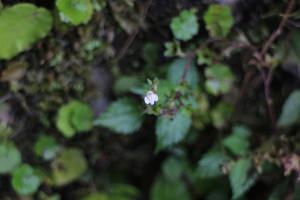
(131, 38)
(267, 76)
(279, 30)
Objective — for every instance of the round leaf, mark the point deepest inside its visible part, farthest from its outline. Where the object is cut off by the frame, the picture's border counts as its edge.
(74, 117)
(46, 147)
(10, 157)
(21, 26)
(68, 166)
(25, 180)
(185, 25)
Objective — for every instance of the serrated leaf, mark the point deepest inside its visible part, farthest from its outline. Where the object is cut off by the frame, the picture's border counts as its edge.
(176, 69)
(25, 180)
(238, 142)
(210, 165)
(290, 113)
(219, 79)
(10, 157)
(122, 116)
(240, 178)
(218, 20)
(75, 11)
(46, 147)
(185, 25)
(164, 189)
(171, 131)
(21, 26)
(68, 166)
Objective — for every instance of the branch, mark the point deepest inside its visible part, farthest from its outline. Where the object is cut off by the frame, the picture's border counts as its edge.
(131, 38)
(279, 30)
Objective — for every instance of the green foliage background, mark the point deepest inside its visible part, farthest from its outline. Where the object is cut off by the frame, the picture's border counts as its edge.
(74, 123)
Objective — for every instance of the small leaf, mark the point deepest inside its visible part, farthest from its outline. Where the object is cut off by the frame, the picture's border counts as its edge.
(122, 116)
(75, 11)
(210, 165)
(238, 142)
(74, 117)
(185, 25)
(10, 157)
(219, 79)
(172, 131)
(176, 70)
(164, 189)
(240, 179)
(218, 20)
(46, 147)
(25, 180)
(221, 114)
(21, 26)
(290, 113)
(68, 166)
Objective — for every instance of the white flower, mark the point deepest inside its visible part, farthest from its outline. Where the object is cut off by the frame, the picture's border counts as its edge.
(151, 98)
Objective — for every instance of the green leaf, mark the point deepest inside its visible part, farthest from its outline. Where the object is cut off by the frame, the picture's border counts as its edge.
(238, 142)
(46, 147)
(10, 157)
(164, 189)
(25, 180)
(210, 165)
(279, 191)
(171, 131)
(240, 179)
(221, 114)
(122, 191)
(176, 70)
(68, 166)
(173, 168)
(218, 20)
(185, 25)
(21, 26)
(126, 84)
(82, 117)
(75, 11)
(74, 117)
(96, 196)
(219, 79)
(122, 116)
(290, 113)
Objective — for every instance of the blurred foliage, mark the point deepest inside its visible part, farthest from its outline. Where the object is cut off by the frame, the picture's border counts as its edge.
(77, 78)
